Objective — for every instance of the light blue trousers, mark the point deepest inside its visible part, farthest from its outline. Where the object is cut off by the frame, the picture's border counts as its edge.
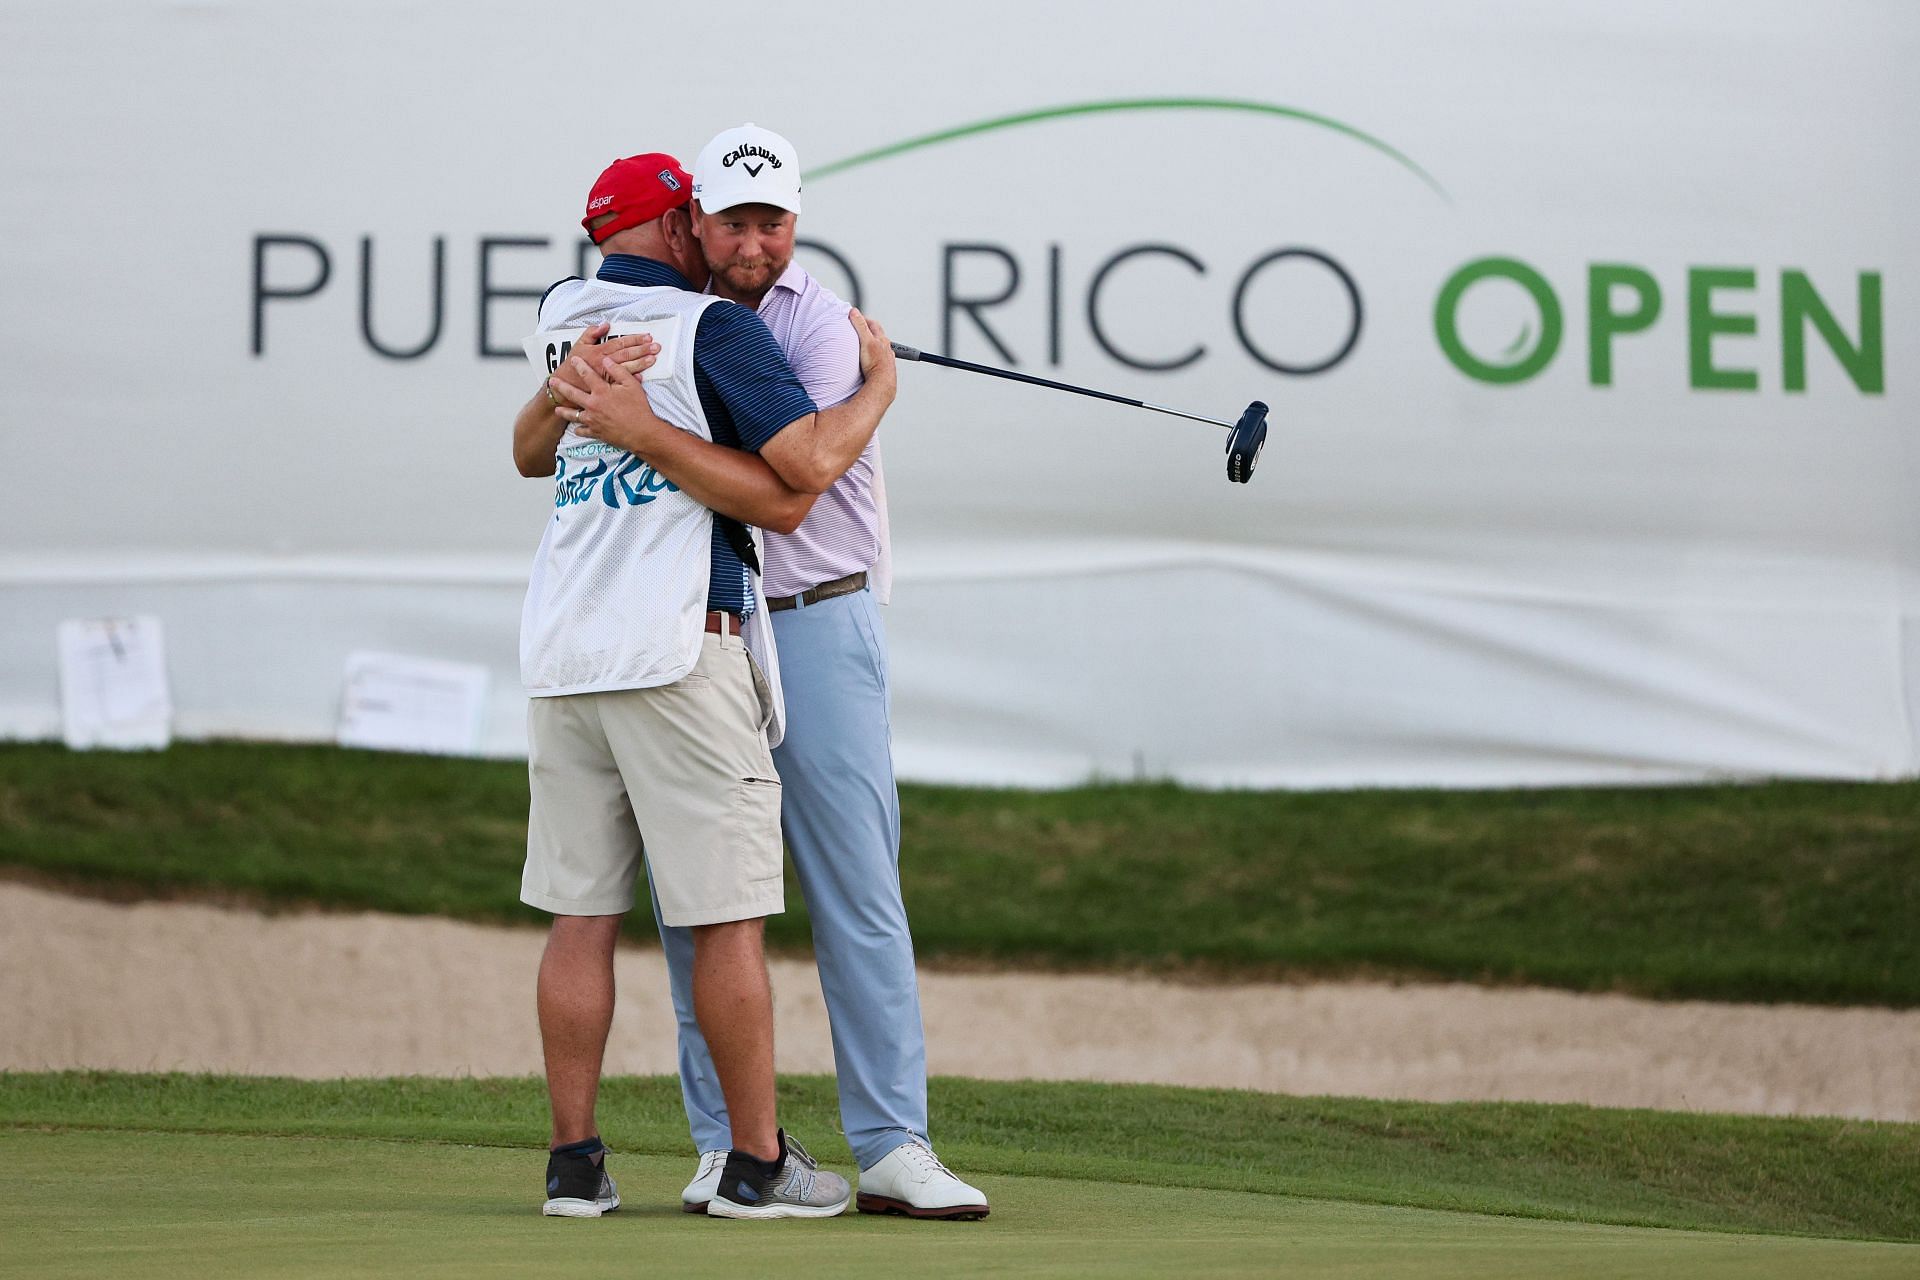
(841, 817)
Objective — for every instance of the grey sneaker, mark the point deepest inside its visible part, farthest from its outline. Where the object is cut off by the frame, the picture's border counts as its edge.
(578, 1185)
(795, 1186)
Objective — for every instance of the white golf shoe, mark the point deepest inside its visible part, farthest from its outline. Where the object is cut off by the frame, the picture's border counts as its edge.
(706, 1179)
(911, 1180)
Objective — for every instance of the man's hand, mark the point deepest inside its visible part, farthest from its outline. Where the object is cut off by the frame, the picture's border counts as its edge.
(610, 405)
(812, 453)
(635, 352)
(876, 352)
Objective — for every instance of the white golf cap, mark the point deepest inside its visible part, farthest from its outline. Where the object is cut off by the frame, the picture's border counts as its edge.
(747, 165)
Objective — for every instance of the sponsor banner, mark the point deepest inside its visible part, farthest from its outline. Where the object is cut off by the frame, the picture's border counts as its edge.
(1589, 332)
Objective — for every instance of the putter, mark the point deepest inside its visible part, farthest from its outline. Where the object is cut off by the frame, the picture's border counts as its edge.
(1245, 438)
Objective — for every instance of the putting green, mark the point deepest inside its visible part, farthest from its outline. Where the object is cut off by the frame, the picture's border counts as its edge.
(81, 1203)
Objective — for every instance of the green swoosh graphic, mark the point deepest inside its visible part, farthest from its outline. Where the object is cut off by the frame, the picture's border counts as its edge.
(1130, 104)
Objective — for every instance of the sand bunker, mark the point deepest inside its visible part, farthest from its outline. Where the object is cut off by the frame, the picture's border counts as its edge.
(171, 986)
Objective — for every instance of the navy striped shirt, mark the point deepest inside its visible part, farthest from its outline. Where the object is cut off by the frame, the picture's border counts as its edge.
(747, 390)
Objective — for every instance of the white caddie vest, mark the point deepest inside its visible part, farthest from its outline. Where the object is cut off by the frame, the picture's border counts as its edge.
(618, 594)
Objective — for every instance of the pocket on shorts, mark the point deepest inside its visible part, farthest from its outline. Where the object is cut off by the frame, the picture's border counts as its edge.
(753, 818)
(762, 690)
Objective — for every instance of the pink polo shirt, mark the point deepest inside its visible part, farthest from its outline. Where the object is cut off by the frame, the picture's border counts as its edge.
(843, 533)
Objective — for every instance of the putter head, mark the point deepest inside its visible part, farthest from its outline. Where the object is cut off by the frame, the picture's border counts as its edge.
(1249, 436)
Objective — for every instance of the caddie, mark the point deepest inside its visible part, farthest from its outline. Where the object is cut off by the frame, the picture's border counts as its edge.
(824, 582)
(654, 684)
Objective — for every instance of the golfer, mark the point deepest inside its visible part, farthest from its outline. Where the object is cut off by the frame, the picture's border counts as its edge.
(840, 810)
(650, 723)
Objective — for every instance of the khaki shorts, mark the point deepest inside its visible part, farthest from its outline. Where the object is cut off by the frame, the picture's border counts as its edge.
(679, 774)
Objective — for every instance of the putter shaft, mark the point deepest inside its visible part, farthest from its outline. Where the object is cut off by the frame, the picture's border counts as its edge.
(904, 352)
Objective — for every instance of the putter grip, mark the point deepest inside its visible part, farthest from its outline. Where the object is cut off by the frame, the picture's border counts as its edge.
(903, 352)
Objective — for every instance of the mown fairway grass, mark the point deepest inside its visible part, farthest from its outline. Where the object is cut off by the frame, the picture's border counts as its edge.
(1789, 891)
(210, 1177)
(1728, 1173)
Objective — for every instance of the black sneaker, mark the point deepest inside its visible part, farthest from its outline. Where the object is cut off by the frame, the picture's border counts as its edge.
(577, 1182)
(794, 1186)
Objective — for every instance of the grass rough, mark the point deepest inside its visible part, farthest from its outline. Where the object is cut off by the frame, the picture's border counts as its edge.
(1787, 891)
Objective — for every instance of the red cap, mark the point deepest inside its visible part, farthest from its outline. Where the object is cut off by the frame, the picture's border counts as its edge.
(637, 189)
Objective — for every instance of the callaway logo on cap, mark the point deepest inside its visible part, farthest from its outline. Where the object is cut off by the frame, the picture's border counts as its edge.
(748, 165)
(635, 190)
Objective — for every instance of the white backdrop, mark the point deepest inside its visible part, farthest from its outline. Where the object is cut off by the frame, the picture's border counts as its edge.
(1433, 579)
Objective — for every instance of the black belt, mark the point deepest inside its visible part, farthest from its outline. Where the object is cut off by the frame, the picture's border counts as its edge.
(825, 591)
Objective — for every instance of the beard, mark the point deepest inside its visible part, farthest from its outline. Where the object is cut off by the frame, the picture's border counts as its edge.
(748, 275)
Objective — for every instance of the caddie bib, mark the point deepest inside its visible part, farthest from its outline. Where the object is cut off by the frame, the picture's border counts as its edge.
(618, 594)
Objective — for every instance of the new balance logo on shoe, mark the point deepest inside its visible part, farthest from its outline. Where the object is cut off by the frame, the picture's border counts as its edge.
(794, 1186)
